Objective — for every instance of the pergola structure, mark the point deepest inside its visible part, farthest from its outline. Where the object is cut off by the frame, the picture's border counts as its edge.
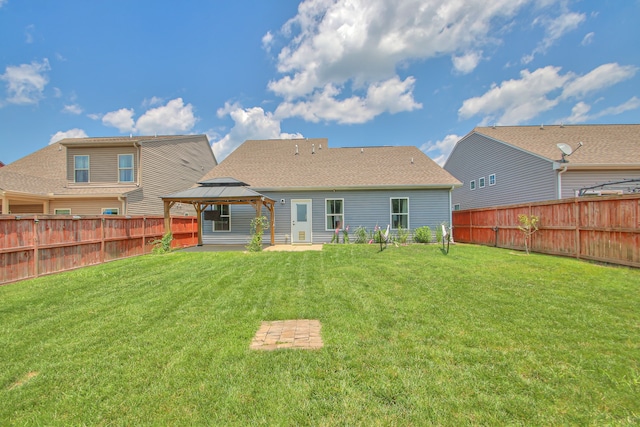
(218, 191)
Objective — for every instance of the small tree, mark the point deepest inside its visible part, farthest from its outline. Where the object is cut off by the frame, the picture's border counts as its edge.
(258, 224)
(528, 226)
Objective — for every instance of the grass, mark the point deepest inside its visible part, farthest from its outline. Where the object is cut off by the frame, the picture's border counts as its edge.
(412, 337)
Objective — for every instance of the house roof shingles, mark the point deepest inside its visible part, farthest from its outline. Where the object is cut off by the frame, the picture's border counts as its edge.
(43, 172)
(603, 144)
(274, 164)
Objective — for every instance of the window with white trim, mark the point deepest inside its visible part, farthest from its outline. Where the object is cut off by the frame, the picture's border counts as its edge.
(481, 182)
(492, 179)
(62, 211)
(110, 211)
(472, 184)
(81, 168)
(400, 213)
(334, 213)
(125, 167)
(221, 218)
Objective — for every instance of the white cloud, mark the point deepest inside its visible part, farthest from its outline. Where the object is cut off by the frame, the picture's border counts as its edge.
(555, 28)
(588, 39)
(604, 76)
(466, 63)
(580, 111)
(392, 96)
(340, 53)
(73, 109)
(71, 133)
(28, 32)
(3, 2)
(250, 123)
(152, 102)
(267, 41)
(170, 119)
(441, 149)
(519, 100)
(26, 82)
(121, 119)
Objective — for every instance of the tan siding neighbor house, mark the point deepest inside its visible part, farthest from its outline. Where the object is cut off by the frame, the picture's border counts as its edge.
(114, 175)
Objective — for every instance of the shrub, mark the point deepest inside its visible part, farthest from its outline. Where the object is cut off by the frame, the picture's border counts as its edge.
(403, 235)
(361, 235)
(162, 246)
(439, 234)
(422, 234)
(258, 225)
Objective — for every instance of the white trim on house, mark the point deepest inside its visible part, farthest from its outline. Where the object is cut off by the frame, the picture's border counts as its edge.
(327, 214)
(392, 213)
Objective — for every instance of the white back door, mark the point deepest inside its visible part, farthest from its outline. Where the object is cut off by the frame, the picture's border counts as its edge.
(301, 221)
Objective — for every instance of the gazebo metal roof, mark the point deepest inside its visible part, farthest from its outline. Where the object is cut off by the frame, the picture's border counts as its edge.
(218, 191)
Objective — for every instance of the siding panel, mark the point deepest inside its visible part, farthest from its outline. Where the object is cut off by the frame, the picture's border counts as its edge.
(520, 177)
(361, 208)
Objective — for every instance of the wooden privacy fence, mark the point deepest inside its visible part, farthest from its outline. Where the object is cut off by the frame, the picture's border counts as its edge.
(603, 229)
(33, 245)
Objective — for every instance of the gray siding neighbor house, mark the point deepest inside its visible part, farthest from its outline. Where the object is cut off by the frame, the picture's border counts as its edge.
(503, 165)
(317, 189)
(112, 175)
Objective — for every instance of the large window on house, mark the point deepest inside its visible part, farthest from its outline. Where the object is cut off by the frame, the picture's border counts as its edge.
(125, 167)
(221, 217)
(334, 212)
(400, 213)
(81, 168)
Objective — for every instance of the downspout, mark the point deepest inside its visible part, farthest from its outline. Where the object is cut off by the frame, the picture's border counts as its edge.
(560, 172)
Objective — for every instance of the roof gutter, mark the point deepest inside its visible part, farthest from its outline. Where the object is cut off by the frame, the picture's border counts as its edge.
(596, 166)
(362, 187)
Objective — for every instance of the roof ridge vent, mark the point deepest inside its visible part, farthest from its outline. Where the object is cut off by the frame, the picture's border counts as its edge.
(313, 148)
(542, 126)
(296, 149)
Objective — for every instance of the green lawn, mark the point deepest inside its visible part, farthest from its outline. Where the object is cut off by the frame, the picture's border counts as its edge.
(481, 336)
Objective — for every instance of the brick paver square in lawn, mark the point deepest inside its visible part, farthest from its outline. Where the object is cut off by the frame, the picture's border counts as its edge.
(297, 333)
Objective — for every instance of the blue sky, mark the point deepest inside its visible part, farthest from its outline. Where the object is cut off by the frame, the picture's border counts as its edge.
(359, 72)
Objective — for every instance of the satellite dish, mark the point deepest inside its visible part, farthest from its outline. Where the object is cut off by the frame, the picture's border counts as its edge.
(566, 150)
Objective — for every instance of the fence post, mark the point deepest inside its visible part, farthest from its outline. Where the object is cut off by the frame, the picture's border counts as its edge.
(102, 231)
(36, 244)
(576, 215)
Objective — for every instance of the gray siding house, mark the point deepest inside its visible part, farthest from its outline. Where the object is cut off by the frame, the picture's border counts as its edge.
(317, 189)
(503, 165)
(113, 175)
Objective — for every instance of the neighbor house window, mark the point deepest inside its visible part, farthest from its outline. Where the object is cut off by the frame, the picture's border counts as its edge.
(492, 179)
(221, 217)
(110, 211)
(400, 213)
(481, 182)
(125, 167)
(472, 184)
(62, 211)
(81, 168)
(456, 207)
(334, 211)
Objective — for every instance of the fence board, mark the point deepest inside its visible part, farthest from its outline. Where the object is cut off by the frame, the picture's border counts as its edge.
(33, 245)
(602, 229)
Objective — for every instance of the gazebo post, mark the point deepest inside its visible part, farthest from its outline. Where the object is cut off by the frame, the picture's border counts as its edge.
(198, 207)
(273, 222)
(167, 216)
